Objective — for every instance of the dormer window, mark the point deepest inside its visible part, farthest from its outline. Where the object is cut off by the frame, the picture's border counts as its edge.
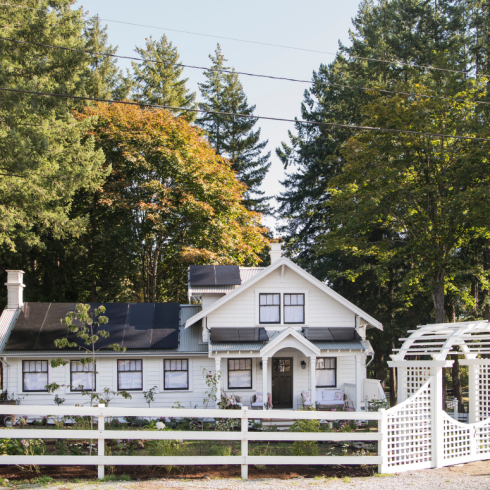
(294, 308)
(270, 308)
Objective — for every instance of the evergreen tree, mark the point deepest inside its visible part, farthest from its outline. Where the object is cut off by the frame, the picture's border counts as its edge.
(232, 136)
(105, 80)
(157, 78)
(45, 157)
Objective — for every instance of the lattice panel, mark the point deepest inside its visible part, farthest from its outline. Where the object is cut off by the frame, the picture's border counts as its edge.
(409, 431)
(483, 440)
(482, 393)
(457, 440)
(415, 377)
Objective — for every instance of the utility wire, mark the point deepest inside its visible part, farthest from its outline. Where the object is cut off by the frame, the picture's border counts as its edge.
(330, 84)
(413, 65)
(296, 121)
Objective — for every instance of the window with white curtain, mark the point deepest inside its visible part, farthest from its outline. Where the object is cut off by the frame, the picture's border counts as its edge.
(270, 308)
(294, 308)
(239, 373)
(326, 372)
(81, 376)
(176, 374)
(130, 374)
(34, 375)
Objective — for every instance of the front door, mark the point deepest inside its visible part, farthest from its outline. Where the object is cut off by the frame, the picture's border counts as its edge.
(282, 382)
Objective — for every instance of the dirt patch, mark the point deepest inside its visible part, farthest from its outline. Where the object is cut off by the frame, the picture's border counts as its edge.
(283, 472)
(474, 468)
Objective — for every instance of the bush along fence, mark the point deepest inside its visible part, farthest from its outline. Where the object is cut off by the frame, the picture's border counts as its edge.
(312, 438)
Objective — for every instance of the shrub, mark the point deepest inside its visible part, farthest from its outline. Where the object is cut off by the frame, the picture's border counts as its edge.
(305, 448)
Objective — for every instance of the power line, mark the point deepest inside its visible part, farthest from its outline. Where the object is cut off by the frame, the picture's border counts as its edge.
(296, 121)
(330, 84)
(413, 65)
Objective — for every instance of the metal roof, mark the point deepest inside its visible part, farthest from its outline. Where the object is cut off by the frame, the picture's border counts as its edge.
(7, 321)
(257, 346)
(247, 273)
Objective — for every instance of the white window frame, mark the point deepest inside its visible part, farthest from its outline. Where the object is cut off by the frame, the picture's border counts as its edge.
(225, 377)
(21, 377)
(281, 291)
(161, 369)
(68, 378)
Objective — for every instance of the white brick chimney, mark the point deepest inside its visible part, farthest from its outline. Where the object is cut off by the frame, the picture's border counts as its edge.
(14, 289)
(276, 251)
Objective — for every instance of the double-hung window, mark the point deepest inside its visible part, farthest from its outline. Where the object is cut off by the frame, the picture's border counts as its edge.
(270, 308)
(34, 375)
(82, 377)
(239, 373)
(130, 374)
(294, 308)
(176, 374)
(326, 372)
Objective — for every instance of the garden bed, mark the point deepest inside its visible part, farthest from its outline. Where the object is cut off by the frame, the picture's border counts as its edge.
(188, 472)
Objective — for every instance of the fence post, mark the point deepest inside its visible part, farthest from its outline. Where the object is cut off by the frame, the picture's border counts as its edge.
(437, 439)
(100, 444)
(244, 449)
(383, 442)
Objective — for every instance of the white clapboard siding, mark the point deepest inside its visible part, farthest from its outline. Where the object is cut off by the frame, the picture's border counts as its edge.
(323, 310)
(107, 378)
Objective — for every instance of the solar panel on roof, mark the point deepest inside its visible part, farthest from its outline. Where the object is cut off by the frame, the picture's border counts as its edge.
(137, 337)
(117, 313)
(343, 333)
(202, 275)
(26, 329)
(164, 338)
(227, 275)
(116, 335)
(318, 333)
(166, 315)
(141, 314)
(52, 328)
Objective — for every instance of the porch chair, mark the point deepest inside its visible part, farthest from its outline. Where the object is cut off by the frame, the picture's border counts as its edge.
(231, 399)
(327, 399)
(256, 401)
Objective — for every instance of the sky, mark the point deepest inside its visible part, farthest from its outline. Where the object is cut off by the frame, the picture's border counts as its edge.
(316, 25)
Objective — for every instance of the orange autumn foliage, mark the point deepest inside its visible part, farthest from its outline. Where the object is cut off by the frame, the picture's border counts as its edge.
(183, 202)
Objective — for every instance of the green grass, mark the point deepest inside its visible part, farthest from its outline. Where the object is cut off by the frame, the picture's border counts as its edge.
(381, 475)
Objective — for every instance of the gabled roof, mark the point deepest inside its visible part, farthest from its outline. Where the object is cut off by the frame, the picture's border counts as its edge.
(278, 263)
(290, 332)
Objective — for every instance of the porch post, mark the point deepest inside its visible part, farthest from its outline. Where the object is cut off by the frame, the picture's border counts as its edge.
(313, 381)
(217, 364)
(358, 384)
(265, 398)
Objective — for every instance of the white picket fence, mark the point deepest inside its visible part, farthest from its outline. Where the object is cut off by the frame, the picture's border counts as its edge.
(101, 412)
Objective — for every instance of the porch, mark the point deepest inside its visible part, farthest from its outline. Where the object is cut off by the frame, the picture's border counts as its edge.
(276, 373)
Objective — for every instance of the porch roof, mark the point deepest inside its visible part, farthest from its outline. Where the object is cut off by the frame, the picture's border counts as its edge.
(257, 346)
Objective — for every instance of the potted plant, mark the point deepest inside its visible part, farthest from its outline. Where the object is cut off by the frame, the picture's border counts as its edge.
(8, 399)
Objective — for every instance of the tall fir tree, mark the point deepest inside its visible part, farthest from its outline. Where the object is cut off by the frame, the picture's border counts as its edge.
(105, 80)
(233, 136)
(157, 79)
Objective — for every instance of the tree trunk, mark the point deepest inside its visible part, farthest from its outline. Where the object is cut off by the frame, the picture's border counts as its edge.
(485, 292)
(379, 367)
(393, 387)
(438, 297)
(457, 383)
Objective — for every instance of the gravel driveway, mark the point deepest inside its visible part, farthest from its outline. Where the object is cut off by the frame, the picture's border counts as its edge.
(461, 477)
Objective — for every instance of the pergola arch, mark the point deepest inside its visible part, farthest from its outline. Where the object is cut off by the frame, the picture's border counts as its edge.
(425, 352)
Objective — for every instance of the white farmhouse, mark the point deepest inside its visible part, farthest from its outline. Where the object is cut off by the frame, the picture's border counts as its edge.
(274, 330)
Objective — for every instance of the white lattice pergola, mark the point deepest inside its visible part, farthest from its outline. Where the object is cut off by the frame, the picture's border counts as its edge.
(419, 433)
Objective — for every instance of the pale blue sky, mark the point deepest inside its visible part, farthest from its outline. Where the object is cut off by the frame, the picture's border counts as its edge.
(308, 24)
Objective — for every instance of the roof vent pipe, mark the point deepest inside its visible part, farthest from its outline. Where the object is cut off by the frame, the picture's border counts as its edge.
(275, 252)
(15, 285)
